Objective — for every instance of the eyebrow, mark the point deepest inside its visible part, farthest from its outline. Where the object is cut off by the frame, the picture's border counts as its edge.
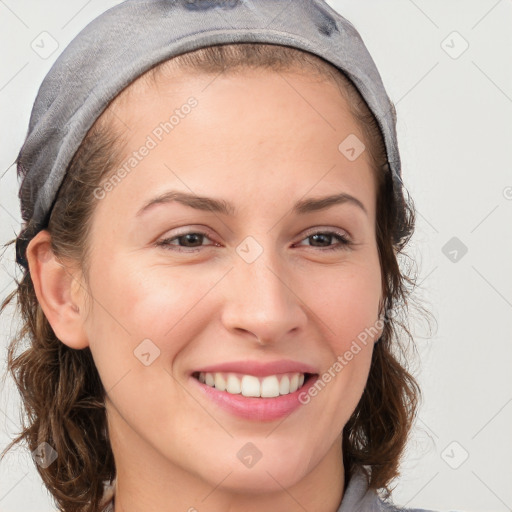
(221, 206)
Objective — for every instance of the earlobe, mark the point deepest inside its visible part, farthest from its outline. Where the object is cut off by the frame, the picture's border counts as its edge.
(55, 286)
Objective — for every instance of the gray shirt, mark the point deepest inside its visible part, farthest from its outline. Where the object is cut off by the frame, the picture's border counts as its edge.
(356, 498)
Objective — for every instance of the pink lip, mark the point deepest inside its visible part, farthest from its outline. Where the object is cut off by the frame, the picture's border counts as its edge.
(256, 409)
(259, 369)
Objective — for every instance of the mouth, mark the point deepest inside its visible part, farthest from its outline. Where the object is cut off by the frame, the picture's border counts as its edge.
(252, 386)
(255, 390)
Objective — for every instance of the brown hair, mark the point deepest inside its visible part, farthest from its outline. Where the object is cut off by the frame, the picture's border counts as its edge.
(61, 392)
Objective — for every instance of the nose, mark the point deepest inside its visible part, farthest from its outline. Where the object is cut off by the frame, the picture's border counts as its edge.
(262, 301)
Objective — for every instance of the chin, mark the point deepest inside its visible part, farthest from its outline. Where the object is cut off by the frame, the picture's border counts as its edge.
(262, 478)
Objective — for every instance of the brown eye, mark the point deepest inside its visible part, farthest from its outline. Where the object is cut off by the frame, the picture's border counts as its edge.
(325, 237)
(184, 241)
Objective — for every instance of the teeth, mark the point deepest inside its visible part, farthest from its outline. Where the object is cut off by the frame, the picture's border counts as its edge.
(219, 381)
(234, 385)
(251, 386)
(270, 386)
(210, 380)
(284, 386)
(294, 383)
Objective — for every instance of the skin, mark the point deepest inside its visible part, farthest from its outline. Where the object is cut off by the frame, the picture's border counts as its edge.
(174, 449)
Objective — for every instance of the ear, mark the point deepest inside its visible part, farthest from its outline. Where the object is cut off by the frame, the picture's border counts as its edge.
(57, 288)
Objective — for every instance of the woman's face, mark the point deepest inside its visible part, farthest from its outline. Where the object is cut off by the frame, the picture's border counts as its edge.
(256, 287)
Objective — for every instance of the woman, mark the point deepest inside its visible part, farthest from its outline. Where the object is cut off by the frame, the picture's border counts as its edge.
(258, 370)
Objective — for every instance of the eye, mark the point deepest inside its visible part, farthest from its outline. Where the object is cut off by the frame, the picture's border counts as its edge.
(324, 237)
(191, 241)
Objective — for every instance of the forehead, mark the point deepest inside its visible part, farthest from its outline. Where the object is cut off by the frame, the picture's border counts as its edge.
(252, 94)
(170, 79)
(249, 129)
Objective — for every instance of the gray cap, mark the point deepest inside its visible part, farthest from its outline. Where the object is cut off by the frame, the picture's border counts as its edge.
(134, 36)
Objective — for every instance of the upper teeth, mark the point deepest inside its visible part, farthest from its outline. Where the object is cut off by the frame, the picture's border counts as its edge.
(251, 386)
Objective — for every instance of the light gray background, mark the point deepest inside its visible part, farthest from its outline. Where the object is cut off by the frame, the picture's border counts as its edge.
(455, 134)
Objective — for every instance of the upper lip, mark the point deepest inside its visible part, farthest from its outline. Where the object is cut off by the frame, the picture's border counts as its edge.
(257, 368)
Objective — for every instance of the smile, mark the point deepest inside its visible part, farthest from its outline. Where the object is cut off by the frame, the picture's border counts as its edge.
(252, 386)
(255, 390)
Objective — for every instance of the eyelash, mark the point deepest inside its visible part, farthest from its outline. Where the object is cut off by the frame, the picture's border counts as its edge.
(344, 241)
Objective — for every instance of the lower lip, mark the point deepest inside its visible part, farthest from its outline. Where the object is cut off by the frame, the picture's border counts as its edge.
(256, 409)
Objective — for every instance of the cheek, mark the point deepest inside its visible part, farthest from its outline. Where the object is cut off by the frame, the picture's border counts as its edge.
(348, 310)
(143, 318)
(132, 303)
(136, 301)
(128, 309)
(349, 304)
